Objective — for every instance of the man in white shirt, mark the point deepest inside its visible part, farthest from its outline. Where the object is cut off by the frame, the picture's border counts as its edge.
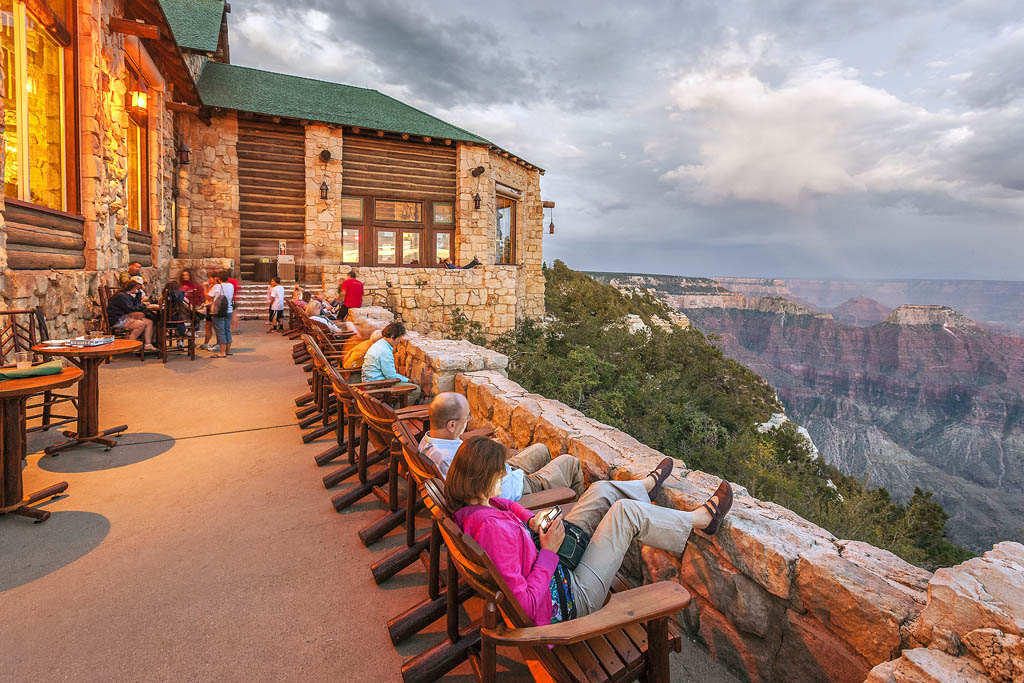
(528, 471)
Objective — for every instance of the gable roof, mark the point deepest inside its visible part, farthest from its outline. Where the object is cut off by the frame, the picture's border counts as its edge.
(229, 86)
(195, 23)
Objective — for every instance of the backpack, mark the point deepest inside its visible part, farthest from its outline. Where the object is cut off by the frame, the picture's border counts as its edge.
(219, 307)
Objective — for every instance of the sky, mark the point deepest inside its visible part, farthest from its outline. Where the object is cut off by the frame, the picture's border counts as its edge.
(770, 138)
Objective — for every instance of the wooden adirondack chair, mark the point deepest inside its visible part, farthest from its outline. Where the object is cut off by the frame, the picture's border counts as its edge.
(172, 314)
(626, 640)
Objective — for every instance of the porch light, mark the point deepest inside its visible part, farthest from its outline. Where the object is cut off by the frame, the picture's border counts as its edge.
(184, 154)
(551, 227)
(136, 101)
(324, 190)
(476, 201)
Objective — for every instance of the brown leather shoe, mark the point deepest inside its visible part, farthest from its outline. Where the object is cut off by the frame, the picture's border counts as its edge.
(718, 506)
(660, 473)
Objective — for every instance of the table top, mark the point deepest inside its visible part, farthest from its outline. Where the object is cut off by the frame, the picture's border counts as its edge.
(115, 348)
(14, 388)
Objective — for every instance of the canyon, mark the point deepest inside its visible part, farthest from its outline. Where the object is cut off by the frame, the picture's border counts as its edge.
(924, 398)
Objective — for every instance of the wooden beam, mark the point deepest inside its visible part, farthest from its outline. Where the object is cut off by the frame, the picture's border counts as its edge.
(548, 205)
(355, 129)
(134, 27)
(447, 142)
(182, 107)
(50, 22)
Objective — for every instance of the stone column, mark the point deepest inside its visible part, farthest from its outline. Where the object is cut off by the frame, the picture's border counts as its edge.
(3, 154)
(323, 218)
(473, 227)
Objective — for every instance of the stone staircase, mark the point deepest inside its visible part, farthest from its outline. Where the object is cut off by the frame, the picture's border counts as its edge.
(251, 302)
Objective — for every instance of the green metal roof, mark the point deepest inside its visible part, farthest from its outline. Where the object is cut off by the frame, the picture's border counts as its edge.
(241, 88)
(195, 23)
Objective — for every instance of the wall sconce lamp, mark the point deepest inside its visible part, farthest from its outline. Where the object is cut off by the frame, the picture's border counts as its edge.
(184, 154)
(136, 102)
(551, 225)
(477, 172)
(324, 190)
(476, 201)
(325, 155)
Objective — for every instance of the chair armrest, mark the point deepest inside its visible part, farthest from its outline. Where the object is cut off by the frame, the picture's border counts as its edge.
(485, 431)
(636, 606)
(377, 383)
(547, 498)
(413, 412)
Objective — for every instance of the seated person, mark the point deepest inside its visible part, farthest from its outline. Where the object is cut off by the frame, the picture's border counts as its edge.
(134, 271)
(354, 354)
(614, 513)
(126, 309)
(314, 310)
(379, 361)
(528, 471)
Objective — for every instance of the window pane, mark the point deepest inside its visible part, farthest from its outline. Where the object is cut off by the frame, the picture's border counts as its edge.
(45, 117)
(137, 185)
(350, 246)
(411, 248)
(444, 213)
(352, 207)
(505, 231)
(10, 99)
(386, 247)
(408, 212)
(443, 246)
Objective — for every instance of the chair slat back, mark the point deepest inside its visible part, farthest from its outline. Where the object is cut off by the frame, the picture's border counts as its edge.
(18, 332)
(377, 414)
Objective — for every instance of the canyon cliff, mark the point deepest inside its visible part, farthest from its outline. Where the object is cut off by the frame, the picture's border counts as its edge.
(926, 398)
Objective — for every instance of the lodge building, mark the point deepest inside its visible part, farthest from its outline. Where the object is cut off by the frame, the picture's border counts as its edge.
(129, 135)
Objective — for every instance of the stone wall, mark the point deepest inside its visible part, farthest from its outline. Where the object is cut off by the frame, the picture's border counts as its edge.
(426, 298)
(211, 221)
(774, 597)
(323, 217)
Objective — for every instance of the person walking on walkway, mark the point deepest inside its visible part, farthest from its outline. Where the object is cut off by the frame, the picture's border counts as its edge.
(275, 297)
(350, 293)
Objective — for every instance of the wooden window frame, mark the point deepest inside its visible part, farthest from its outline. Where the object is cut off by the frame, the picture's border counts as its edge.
(66, 39)
(433, 244)
(143, 173)
(369, 228)
(359, 238)
(514, 241)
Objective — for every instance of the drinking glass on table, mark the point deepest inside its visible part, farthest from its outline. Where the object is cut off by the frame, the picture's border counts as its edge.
(23, 360)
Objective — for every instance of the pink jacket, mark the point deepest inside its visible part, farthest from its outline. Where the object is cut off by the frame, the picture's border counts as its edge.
(501, 532)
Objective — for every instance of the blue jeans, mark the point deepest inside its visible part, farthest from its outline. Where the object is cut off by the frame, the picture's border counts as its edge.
(222, 328)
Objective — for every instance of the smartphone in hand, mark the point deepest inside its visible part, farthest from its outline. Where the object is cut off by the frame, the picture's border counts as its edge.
(547, 517)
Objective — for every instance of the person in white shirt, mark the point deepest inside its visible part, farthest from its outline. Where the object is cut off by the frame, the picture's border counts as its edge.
(222, 323)
(314, 309)
(275, 297)
(528, 471)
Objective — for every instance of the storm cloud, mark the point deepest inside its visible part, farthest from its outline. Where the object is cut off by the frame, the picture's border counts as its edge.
(776, 138)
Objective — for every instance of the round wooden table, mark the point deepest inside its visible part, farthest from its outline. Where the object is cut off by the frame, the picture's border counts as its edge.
(89, 359)
(13, 393)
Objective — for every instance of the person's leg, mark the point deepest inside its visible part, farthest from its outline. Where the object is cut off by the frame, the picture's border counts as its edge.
(413, 397)
(531, 458)
(209, 331)
(147, 331)
(564, 470)
(134, 328)
(219, 331)
(226, 350)
(627, 520)
(599, 497)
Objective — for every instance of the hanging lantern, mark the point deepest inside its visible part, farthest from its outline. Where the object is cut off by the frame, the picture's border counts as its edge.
(551, 227)
(136, 102)
(184, 154)
(476, 201)
(324, 190)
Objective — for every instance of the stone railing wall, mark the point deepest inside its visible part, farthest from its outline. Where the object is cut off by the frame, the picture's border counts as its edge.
(775, 597)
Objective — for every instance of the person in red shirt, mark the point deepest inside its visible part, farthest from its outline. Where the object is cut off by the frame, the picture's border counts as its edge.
(350, 291)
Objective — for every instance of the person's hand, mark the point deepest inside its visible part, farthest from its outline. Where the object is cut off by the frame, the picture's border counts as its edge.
(553, 537)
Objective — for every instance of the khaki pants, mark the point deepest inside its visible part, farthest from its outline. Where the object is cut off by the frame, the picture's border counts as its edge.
(413, 397)
(543, 473)
(616, 513)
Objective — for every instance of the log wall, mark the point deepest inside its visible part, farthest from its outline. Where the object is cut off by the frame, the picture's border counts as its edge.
(41, 239)
(393, 168)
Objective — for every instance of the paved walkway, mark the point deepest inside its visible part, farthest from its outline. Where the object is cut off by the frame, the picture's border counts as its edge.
(204, 547)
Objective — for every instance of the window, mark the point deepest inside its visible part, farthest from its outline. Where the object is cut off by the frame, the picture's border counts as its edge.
(137, 180)
(411, 248)
(505, 231)
(35, 168)
(403, 212)
(442, 246)
(444, 213)
(350, 245)
(386, 244)
(352, 208)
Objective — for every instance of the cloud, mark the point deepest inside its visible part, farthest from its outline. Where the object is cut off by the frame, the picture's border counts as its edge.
(998, 79)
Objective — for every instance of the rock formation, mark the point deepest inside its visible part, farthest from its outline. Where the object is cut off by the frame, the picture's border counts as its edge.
(860, 311)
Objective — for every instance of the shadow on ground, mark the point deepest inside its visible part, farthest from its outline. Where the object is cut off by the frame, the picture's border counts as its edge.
(131, 448)
(31, 551)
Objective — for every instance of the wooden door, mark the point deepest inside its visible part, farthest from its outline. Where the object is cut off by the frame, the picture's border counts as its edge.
(271, 190)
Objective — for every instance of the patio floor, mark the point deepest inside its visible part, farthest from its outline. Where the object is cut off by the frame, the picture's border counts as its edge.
(204, 547)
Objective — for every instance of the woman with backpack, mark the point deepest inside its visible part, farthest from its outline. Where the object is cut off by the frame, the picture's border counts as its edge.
(221, 299)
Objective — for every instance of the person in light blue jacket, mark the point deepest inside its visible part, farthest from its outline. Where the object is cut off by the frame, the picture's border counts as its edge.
(379, 361)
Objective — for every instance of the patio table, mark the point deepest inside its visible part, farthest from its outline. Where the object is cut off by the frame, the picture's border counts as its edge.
(13, 393)
(89, 359)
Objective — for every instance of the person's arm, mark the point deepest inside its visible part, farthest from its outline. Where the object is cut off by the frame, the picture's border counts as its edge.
(387, 365)
(502, 543)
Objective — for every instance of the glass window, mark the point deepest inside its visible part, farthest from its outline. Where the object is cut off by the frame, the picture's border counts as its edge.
(45, 95)
(350, 245)
(444, 213)
(505, 231)
(352, 208)
(411, 248)
(137, 180)
(405, 212)
(386, 243)
(33, 64)
(442, 246)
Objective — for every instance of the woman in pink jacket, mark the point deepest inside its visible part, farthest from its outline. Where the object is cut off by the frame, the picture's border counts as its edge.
(613, 513)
